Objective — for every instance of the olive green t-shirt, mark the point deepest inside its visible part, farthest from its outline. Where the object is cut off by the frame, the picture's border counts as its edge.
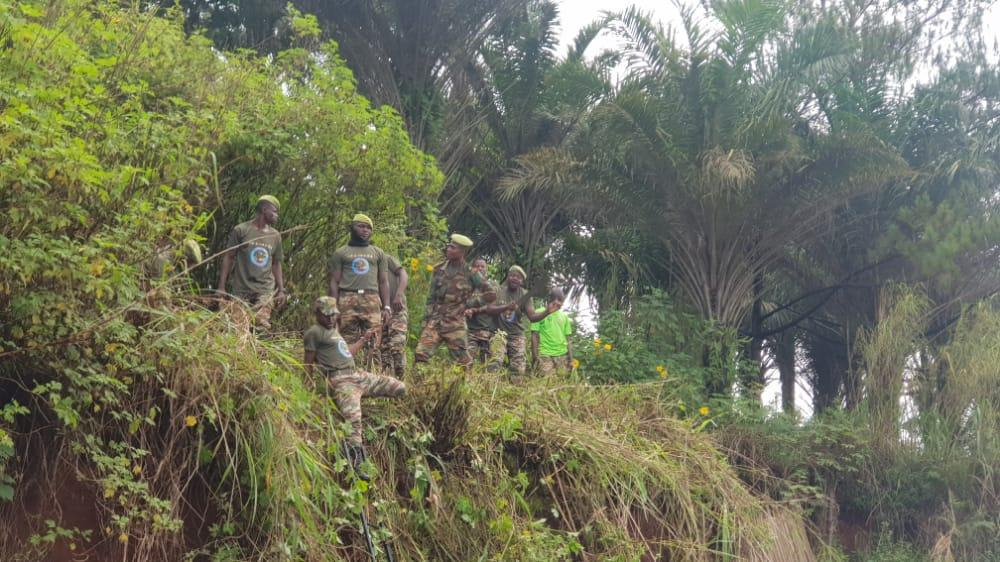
(359, 267)
(392, 266)
(512, 321)
(260, 249)
(332, 352)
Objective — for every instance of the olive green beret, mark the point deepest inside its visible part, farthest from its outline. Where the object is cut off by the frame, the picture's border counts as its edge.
(517, 269)
(461, 240)
(326, 306)
(270, 199)
(363, 218)
(192, 251)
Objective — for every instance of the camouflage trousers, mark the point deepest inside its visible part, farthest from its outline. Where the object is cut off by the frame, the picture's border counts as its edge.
(262, 306)
(393, 347)
(360, 312)
(514, 352)
(348, 388)
(452, 334)
(479, 345)
(551, 365)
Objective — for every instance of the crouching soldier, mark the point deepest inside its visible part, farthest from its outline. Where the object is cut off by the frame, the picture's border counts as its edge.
(327, 351)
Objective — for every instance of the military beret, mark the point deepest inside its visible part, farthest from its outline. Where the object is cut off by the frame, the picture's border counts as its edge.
(461, 240)
(192, 251)
(517, 269)
(270, 199)
(326, 306)
(363, 218)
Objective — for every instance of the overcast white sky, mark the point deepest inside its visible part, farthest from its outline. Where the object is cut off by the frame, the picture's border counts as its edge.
(574, 14)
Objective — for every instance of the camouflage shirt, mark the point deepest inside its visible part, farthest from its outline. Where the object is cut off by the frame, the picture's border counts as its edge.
(478, 299)
(451, 289)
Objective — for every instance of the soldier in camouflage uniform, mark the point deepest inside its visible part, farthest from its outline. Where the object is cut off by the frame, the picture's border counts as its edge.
(513, 309)
(444, 317)
(481, 326)
(358, 280)
(328, 352)
(254, 247)
(394, 332)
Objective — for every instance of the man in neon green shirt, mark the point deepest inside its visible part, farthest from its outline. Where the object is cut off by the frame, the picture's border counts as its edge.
(550, 343)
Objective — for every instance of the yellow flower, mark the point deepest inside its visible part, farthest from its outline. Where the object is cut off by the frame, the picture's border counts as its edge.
(607, 347)
(597, 341)
(429, 267)
(414, 263)
(576, 363)
(137, 470)
(704, 410)
(123, 538)
(190, 421)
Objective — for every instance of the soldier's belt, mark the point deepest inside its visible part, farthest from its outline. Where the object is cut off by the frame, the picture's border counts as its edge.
(359, 291)
(333, 373)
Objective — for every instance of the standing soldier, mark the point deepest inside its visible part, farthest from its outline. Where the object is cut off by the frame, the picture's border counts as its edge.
(394, 332)
(513, 309)
(255, 247)
(359, 283)
(327, 351)
(481, 326)
(444, 317)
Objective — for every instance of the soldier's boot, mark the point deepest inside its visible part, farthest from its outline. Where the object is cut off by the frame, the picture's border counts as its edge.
(399, 365)
(356, 457)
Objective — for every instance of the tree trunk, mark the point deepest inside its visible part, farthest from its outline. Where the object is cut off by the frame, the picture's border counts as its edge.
(784, 357)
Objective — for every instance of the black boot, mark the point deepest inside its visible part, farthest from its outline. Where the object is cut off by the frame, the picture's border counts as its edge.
(356, 457)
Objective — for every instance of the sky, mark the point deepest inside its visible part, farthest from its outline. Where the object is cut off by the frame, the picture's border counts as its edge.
(574, 14)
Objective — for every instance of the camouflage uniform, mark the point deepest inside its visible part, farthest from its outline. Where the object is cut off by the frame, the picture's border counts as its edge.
(359, 301)
(482, 327)
(444, 319)
(552, 365)
(348, 387)
(345, 383)
(393, 348)
(253, 279)
(513, 324)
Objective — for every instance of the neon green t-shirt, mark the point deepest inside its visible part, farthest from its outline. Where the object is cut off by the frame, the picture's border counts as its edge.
(553, 333)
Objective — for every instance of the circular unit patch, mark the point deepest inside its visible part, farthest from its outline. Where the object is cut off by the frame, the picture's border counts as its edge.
(259, 256)
(343, 349)
(360, 266)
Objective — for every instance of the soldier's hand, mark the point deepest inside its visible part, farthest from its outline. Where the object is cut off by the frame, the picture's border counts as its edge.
(371, 333)
(470, 312)
(281, 298)
(397, 303)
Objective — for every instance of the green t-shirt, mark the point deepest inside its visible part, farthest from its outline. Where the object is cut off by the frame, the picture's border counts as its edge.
(512, 321)
(553, 333)
(332, 352)
(260, 250)
(359, 267)
(392, 267)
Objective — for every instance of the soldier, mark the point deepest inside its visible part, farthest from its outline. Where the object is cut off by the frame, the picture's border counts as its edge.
(550, 345)
(359, 282)
(444, 317)
(328, 352)
(255, 247)
(394, 332)
(481, 326)
(513, 308)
